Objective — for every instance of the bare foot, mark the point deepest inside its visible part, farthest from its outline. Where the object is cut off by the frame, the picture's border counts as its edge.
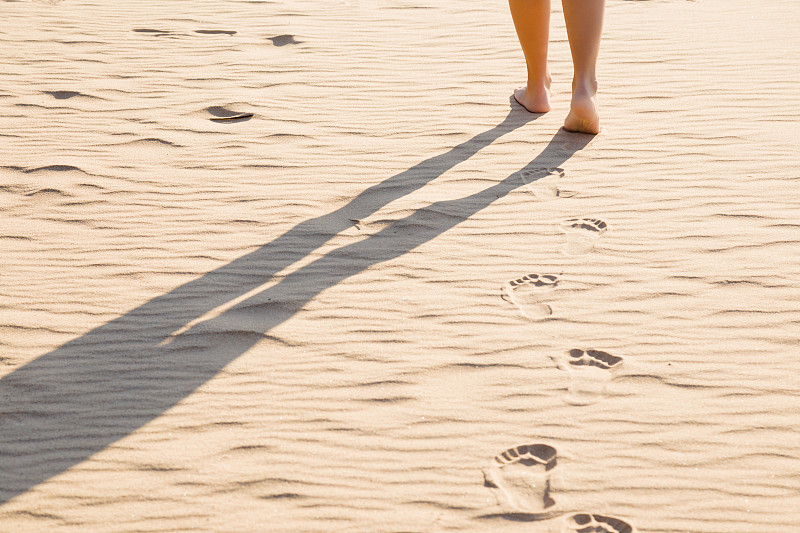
(583, 115)
(535, 101)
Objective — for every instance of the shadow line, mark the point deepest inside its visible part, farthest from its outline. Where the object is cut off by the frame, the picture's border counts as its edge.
(76, 400)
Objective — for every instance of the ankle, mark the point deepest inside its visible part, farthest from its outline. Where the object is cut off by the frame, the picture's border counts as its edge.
(584, 85)
(539, 79)
(538, 88)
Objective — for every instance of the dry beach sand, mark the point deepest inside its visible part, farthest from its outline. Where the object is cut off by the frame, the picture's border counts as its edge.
(339, 313)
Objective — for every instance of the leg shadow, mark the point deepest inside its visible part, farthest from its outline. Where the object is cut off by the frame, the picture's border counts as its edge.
(73, 402)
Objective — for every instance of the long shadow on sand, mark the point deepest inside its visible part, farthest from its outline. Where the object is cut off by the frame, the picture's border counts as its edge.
(74, 401)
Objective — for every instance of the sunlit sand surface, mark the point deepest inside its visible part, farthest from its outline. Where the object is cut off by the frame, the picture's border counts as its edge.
(257, 264)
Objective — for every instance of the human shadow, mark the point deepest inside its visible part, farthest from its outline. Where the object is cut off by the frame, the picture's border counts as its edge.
(76, 400)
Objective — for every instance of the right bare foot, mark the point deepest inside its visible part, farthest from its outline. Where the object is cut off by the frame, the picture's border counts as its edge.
(583, 115)
(535, 101)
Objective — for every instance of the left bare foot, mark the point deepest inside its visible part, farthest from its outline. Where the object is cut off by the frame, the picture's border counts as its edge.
(535, 100)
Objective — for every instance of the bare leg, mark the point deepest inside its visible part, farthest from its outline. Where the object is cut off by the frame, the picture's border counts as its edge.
(532, 21)
(584, 19)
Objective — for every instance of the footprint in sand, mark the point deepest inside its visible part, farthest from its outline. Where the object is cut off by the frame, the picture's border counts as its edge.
(529, 293)
(216, 32)
(589, 371)
(65, 95)
(520, 478)
(283, 40)
(223, 114)
(154, 32)
(542, 183)
(595, 523)
(582, 234)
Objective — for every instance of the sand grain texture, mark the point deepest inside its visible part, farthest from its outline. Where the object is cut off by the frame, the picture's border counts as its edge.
(292, 321)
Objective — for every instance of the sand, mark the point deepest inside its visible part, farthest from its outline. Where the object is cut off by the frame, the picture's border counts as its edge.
(392, 300)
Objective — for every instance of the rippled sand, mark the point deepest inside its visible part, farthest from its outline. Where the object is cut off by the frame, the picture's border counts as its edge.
(302, 266)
